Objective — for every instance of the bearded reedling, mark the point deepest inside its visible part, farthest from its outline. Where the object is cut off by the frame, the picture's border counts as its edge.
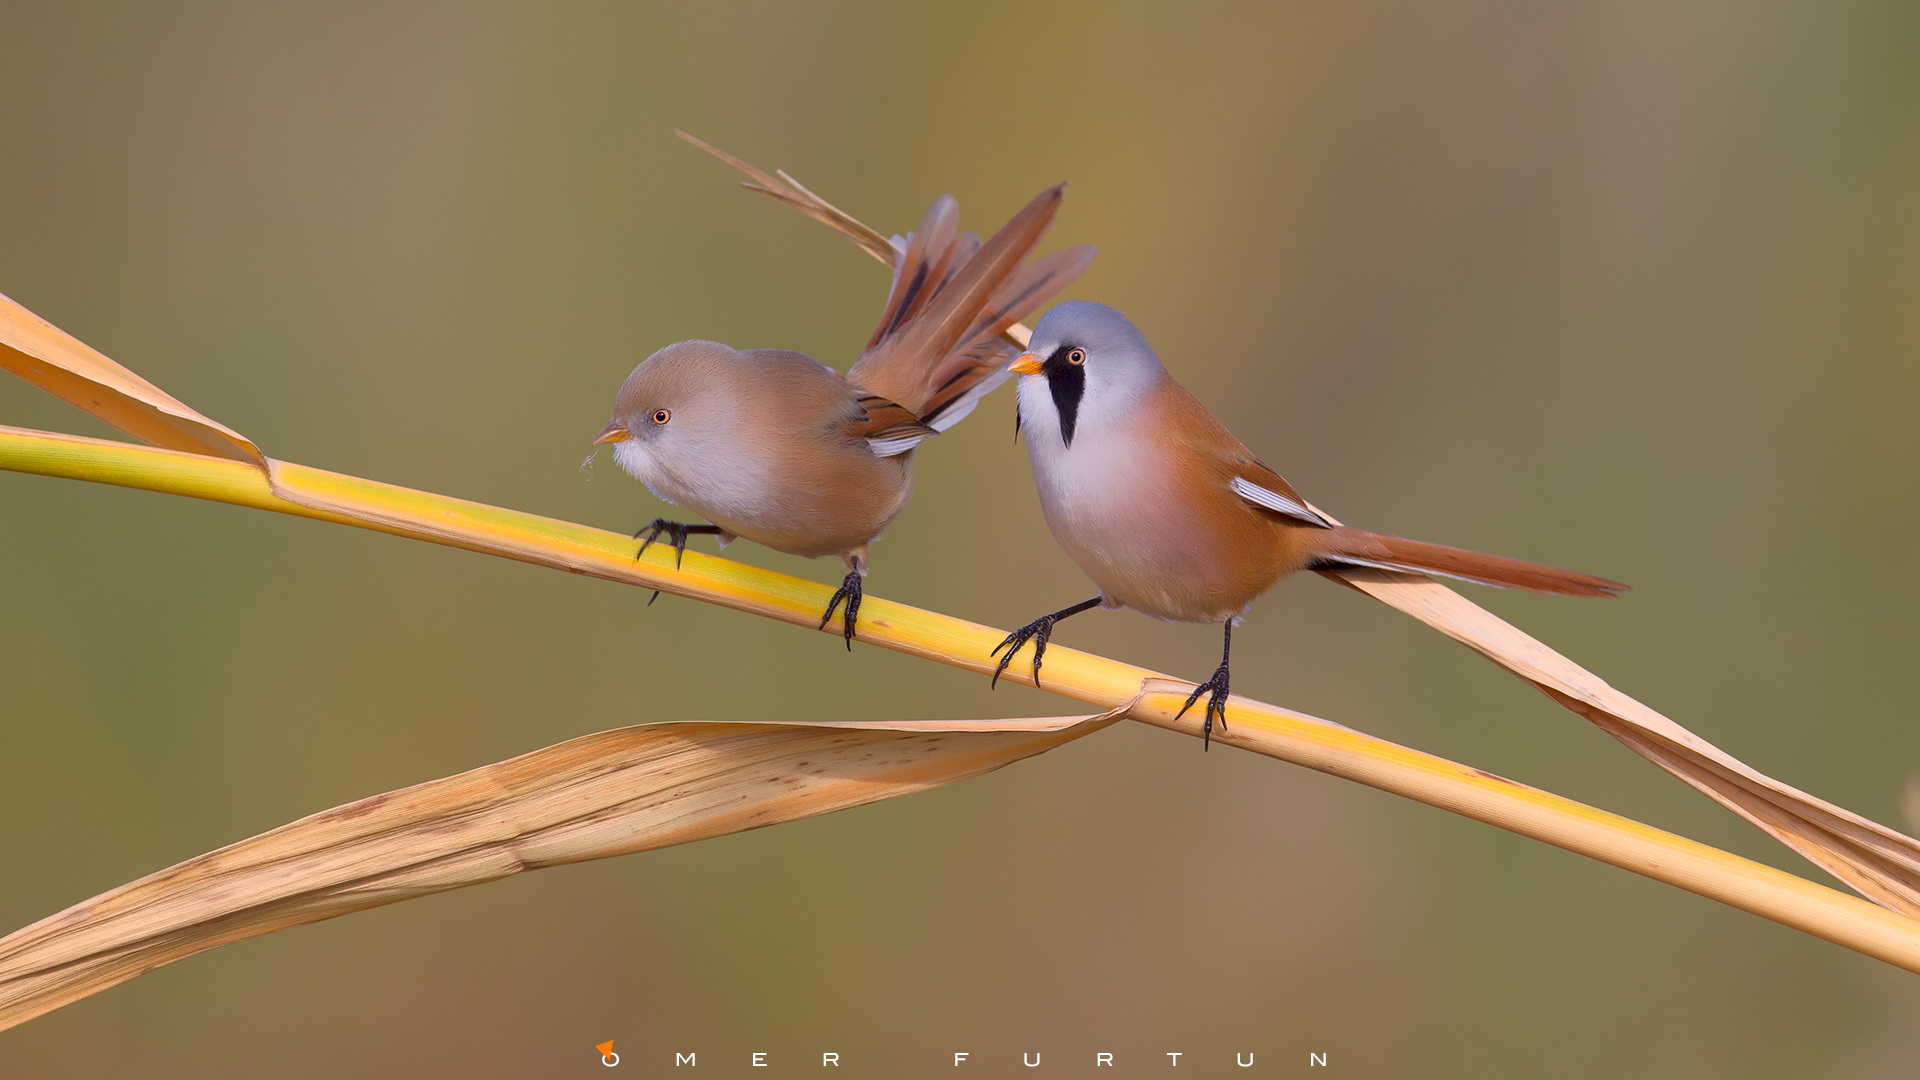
(780, 449)
(1169, 514)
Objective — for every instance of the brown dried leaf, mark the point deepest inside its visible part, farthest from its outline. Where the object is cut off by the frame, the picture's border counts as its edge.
(786, 189)
(614, 793)
(1879, 862)
(57, 362)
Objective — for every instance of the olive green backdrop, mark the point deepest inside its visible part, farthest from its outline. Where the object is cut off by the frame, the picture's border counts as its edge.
(1628, 287)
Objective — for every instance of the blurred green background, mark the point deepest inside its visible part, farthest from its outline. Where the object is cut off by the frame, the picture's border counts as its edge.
(1623, 286)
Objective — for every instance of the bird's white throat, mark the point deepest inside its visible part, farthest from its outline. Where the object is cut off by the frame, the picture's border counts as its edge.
(633, 457)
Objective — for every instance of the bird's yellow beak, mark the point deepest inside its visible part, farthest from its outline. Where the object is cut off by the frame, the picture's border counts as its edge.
(1027, 364)
(613, 432)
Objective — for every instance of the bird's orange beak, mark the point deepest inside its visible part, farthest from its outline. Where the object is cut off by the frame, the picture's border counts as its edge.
(613, 432)
(1027, 364)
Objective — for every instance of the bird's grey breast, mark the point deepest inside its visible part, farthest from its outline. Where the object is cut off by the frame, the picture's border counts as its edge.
(1091, 492)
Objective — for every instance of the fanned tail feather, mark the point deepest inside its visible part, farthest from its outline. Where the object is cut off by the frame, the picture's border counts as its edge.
(922, 271)
(920, 355)
(1357, 547)
(938, 349)
(1031, 286)
(966, 376)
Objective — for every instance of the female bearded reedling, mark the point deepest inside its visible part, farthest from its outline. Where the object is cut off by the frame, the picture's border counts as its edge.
(779, 448)
(1169, 514)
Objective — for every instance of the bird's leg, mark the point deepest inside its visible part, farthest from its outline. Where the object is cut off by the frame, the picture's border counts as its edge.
(1038, 631)
(850, 592)
(676, 533)
(1217, 699)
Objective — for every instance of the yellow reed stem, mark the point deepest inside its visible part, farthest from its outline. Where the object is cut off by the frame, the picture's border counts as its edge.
(1257, 726)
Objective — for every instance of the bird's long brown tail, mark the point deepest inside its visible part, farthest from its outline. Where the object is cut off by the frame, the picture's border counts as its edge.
(1335, 548)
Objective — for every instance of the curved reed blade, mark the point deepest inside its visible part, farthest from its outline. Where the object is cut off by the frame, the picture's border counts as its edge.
(614, 793)
(57, 362)
(785, 189)
(1878, 861)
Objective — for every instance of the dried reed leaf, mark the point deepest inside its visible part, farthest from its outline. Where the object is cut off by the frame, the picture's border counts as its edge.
(55, 361)
(614, 793)
(1879, 862)
(1147, 696)
(785, 189)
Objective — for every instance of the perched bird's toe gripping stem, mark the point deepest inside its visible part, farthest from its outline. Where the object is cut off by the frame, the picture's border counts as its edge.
(1217, 692)
(677, 534)
(1039, 631)
(850, 592)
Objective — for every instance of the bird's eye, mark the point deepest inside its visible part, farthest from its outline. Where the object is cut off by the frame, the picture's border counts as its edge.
(661, 416)
(1077, 356)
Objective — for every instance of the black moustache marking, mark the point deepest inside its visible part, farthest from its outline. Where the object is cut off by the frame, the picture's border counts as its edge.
(1068, 382)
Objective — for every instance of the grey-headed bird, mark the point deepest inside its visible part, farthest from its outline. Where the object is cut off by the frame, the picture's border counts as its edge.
(781, 449)
(1169, 514)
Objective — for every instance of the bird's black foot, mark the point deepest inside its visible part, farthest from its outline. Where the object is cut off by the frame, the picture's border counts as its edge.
(1216, 689)
(676, 534)
(850, 592)
(1039, 631)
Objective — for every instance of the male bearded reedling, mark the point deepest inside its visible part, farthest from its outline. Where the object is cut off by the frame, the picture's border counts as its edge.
(779, 448)
(1169, 514)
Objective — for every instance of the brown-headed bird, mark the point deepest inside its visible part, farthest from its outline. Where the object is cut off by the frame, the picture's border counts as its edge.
(1170, 514)
(779, 448)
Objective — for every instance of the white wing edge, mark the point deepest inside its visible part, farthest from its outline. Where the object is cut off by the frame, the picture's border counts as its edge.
(891, 447)
(1280, 504)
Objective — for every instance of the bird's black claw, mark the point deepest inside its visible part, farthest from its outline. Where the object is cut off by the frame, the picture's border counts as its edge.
(1039, 631)
(1216, 691)
(676, 533)
(850, 592)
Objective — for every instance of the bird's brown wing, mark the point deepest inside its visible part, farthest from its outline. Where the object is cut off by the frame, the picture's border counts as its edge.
(1327, 546)
(1224, 460)
(888, 427)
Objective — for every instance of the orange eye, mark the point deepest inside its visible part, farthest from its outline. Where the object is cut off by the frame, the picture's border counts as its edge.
(661, 416)
(1077, 356)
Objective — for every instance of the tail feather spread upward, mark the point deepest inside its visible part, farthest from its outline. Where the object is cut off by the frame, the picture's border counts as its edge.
(934, 351)
(1356, 547)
